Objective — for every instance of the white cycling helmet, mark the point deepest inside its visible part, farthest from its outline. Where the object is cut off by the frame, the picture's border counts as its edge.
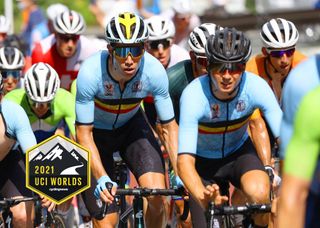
(126, 28)
(55, 9)
(279, 33)
(4, 24)
(11, 58)
(182, 6)
(160, 28)
(41, 82)
(69, 22)
(198, 37)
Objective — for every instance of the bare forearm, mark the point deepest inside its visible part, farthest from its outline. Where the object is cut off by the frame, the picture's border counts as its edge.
(260, 139)
(292, 203)
(190, 177)
(86, 140)
(170, 137)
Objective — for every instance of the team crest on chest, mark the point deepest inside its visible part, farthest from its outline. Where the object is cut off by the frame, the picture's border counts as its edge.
(108, 89)
(215, 111)
(240, 106)
(136, 86)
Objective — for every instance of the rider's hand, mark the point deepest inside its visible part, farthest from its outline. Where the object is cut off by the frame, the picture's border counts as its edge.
(101, 190)
(212, 193)
(276, 180)
(46, 203)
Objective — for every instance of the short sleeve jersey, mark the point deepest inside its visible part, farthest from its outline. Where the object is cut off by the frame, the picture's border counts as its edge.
(62, 108)
(100, 101)
(214, 128)
(17, 125)
(300, 81)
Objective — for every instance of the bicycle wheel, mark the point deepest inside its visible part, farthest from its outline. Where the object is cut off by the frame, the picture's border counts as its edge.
(58, 222)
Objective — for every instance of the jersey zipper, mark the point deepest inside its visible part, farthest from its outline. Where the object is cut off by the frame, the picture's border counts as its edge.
(225, 131)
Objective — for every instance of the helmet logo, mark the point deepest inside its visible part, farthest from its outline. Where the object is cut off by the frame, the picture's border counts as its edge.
(128, 21)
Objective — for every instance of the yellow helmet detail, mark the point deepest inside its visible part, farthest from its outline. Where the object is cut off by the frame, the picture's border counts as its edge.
(126, 28)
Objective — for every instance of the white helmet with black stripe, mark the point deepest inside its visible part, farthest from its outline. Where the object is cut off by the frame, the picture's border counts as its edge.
(4, 24)
(279, 33)
(69, 22)
(198, 37)
(11, 58)
(41, 82)
(160, 28)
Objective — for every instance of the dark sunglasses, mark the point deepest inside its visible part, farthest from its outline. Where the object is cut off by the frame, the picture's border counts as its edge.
(232, 68)
(38, 104)
(122, 53)
(201, 61)
(280, 53)
(66, 38)
(156, 44)
(16, 74)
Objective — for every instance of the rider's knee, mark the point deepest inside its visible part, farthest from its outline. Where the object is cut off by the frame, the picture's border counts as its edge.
(156, 201)
(258, 193)
(20, 218)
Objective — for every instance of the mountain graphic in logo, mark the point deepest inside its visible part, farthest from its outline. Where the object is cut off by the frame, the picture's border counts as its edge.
(65, 162)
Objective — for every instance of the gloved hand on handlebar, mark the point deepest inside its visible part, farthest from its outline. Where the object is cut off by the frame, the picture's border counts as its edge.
(101, 185)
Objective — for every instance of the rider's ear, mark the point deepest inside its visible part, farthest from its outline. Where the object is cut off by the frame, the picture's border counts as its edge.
(264, 51)
(110, 49)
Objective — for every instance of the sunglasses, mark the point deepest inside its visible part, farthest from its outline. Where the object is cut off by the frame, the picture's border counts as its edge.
(66, 38)
(164, 43)
(201, 61)
(16, 74)
(38, 104)
(122, 53)
(233, 68)
(280, 53)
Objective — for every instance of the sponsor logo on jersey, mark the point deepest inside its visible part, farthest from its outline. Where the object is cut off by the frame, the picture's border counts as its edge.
(108, 89)
(240, 106)
(136, 86)
(215, 111)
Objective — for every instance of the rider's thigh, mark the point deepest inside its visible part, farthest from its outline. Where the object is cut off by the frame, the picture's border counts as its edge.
(109, 221)
(256, 186)
(22, 214)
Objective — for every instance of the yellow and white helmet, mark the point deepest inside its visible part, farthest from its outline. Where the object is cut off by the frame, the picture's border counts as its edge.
(126, 28)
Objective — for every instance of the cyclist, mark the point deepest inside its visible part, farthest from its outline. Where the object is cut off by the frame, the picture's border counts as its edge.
(110, 87)
(16, 136)
(11, 65)
(160, 45)
(180, 75)
(46, 104)
(279, 54)
(66, 49)
(301, 176)
(214, 145)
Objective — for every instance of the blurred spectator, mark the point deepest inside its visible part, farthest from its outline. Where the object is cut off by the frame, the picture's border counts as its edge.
(184, 20)
(104, 10)
(45, 28)
(148, 8)
(31, 16)
(11, 65)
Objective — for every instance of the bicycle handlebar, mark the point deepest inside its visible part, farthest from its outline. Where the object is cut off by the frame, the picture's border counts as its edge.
(243, 209)
(9, 202)
(149, 192)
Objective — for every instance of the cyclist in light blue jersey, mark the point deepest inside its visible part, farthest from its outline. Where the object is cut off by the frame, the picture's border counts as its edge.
(110, 88)
(16, 136)
(215, 110)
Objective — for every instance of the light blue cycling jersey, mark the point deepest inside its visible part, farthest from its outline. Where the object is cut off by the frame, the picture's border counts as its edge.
(100, 101)
(17, 125)
(214, 128)
(302, 79)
